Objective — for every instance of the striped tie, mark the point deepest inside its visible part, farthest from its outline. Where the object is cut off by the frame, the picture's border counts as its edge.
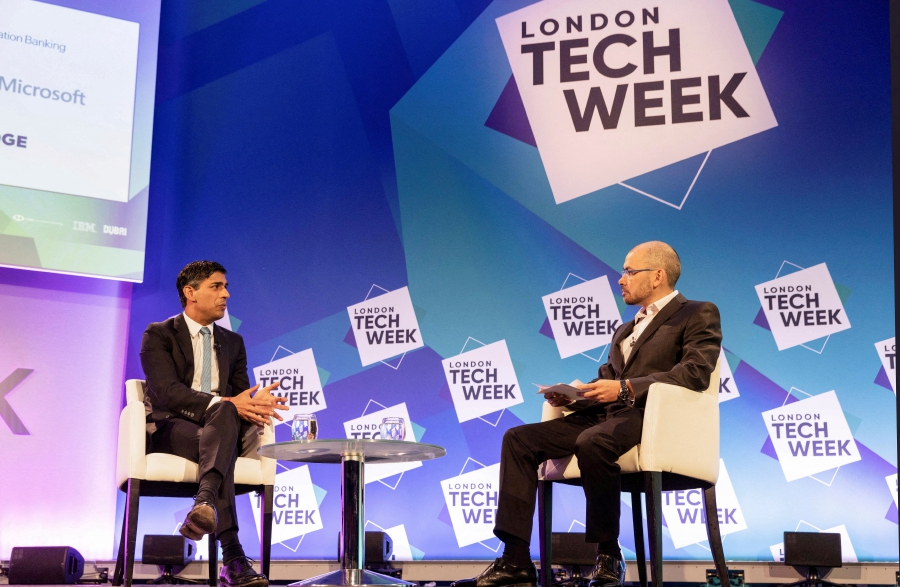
(206, 373)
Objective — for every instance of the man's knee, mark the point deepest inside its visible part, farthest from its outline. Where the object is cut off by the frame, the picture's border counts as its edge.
(517, 435)
(223, 410)
(595, 445)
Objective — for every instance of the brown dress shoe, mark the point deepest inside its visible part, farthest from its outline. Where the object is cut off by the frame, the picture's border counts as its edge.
(502, 574)
(202, 519)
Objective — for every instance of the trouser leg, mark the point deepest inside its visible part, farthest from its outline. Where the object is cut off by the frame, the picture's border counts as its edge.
(598, 448)
(524, 448)
(214, 444)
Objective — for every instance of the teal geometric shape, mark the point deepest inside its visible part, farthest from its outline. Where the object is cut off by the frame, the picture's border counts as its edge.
(416, 553)
(733, 360)
(418, 431)
(235, 322)
(843, 292)
(757, 23)
(853, 422)
(323, 375)
(320, 494)
(420, 312)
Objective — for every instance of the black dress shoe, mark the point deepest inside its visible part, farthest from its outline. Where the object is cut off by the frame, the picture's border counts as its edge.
(608, 572)
(202, 519)
(502, 574)
(239, 573)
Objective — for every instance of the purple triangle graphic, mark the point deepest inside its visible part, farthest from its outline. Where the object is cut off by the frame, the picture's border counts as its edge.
(761, 320)
(509, 117)
(444, 516)
(350, 338)
(883, 380)
(768, 448)
(891, 514)
(546, 330)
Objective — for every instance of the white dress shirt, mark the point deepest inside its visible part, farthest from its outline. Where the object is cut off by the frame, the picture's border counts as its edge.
(197, 344)
(643, 318)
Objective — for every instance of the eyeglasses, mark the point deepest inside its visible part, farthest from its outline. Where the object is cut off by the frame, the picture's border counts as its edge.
(633, 272)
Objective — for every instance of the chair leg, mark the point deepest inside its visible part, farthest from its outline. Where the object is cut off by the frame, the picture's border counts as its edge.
(132, 506)
(638, 522)
(120, 558)
(545, 530)
(712, 532)
(265, 542)
(213, 559)
(653, 491)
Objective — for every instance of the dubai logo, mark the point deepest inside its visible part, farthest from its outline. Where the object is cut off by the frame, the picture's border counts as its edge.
(614, 89)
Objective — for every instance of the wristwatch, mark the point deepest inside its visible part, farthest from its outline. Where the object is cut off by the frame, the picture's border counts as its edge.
(625, 395)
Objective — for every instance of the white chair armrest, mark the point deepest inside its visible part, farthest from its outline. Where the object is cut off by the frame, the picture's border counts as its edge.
(548, 412)
(681, 432)
(267, 465)
(131, 461)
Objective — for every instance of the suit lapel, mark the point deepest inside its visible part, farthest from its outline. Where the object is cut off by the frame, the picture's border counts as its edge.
(183, 337)
(616, 348)
(673, 306)
(221, 358)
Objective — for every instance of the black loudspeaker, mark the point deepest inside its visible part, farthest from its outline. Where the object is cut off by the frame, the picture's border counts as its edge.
(163, 550)
(569, 548)
(45, 565)
(812, 549)
(379, 547)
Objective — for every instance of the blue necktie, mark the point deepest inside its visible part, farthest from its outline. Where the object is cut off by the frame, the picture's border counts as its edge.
(206, 373)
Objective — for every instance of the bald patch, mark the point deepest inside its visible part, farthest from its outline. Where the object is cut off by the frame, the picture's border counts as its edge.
(660, 255)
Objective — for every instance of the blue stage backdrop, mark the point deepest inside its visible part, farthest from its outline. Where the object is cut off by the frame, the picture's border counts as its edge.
(402, 188)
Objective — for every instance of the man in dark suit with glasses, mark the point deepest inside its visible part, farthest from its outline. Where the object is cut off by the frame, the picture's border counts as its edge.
(671, 340)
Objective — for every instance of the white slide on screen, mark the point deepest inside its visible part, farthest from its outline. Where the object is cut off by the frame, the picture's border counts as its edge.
(67, 98)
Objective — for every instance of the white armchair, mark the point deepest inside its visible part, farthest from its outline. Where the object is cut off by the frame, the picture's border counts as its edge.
(679, 450)
(165, 475)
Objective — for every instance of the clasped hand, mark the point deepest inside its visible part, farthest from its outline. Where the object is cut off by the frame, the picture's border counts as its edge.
(258, 406)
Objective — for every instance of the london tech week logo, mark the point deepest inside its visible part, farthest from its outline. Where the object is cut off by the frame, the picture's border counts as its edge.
(615, 89)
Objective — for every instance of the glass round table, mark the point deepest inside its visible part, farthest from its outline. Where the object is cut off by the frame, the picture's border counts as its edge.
(352, 454)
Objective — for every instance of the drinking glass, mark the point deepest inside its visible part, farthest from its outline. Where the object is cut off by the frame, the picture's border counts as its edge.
(304, 427)
(393, 429)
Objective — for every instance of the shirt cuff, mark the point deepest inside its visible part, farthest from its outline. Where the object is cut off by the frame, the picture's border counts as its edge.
(216, 399)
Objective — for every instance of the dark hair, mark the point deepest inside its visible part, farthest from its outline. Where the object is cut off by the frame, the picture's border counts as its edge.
(194, 274)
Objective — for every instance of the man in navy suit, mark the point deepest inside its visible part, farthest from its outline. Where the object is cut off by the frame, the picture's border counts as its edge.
(671, 340)
(201, 407)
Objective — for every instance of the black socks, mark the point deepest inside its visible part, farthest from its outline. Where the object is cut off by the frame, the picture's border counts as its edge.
(209, 487)
(610, 547)
(516, 551)
(231, 547)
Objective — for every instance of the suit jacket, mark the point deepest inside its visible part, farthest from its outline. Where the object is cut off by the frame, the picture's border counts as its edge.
(680, 346)
(167, 358)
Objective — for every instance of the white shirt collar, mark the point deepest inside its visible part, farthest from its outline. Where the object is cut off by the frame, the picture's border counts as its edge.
(194, 327)
(658, 305)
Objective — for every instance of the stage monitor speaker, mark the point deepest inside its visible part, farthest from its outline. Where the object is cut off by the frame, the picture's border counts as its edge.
(569, 548)
(379, 547)
(45, 565)
(164, 550)
(812, 549)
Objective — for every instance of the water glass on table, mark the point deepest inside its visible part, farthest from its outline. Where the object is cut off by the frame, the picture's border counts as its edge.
(304, 427)
(393, 429)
